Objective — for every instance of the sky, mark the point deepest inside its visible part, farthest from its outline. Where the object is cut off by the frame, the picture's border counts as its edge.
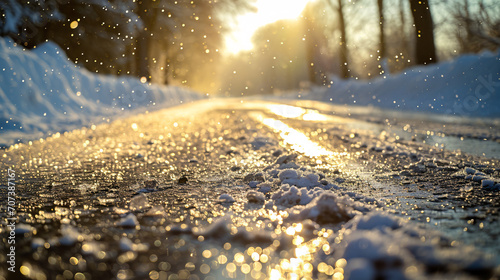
(268, 11)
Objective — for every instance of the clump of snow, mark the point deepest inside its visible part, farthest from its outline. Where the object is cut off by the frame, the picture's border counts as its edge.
(37, 242)
(288, 174)
(327, 208)
(218, 228)
(259, 142)
(479, 178)
(224, 228)
(181, 229)
(359, 269)
(139, 202)
(378, 250)
(298, 178)
(264, 187)
(23, 228)
(470, 171)
(69, 235)
(226, 198)
(384, 246)
(256, 197)
(377, 220)
(487, 182)
(254, 177)
(85, 188)
(156, 210)
(41, 91)
(127, 245)
(291, 195)
(285, 159)
(253, 184)
(129, 221)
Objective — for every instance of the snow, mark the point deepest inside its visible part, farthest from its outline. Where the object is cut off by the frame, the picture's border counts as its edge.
(226, 198)
(156, 210)
(327, 208)
(378, 220)
(129, 221)
(486, 181)
(42, 92)
(37, 242)
(256, 197)
(359, 269)
(291, 196)
(264, 187)
(385, 241)
(288, 174)
(139, 202)
(23, 229)
(468, 85)
(69, 235)
(127, 245)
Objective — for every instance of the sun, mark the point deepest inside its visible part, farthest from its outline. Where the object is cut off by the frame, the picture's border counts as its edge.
(268, 11)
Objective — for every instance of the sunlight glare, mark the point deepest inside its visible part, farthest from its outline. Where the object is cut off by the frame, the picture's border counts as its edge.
(293, 112)
(268, 11)
(287, 111)
(298, 141)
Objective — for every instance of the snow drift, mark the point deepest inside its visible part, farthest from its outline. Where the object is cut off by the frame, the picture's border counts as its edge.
(469, 85)
(42, 91)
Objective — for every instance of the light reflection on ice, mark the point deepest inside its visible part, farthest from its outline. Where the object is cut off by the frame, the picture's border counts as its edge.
(287, 111)
(293, 112)
(296, 139)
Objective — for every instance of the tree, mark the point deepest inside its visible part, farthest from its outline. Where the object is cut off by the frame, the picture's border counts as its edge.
(477, 25)
(308, 22)
(180, 40)
(281, 55)
(92, 32)
(95, 33)
(424, 32)
(24, 21)
(338, 7)
(382, 47)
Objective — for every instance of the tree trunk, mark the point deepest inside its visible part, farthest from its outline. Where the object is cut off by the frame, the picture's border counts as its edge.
(343, 42)
(405, 48)
(141, 54)
(382, 51)
(310, 42)
(148, 14)
(424, 32)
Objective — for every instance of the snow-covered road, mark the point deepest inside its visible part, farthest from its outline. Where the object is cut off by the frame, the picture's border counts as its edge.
(259, 190)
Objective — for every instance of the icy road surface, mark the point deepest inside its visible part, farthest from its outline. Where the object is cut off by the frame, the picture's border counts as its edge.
(227, 189)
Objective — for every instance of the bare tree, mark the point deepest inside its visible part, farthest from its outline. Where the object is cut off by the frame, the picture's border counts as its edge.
(338, 7)
(310, 43)
(403, 39)
(424, 32)
(382, 51)
(476, 30)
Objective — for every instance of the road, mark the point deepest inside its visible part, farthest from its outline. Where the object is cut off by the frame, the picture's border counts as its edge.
(198, 192)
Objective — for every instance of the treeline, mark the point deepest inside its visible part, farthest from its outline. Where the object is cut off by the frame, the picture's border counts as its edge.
(361, 39)
(181, 41)
(161, 40)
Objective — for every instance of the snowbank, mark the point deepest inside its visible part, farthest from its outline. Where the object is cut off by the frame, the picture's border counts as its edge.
(466, 86)
(41, 92)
